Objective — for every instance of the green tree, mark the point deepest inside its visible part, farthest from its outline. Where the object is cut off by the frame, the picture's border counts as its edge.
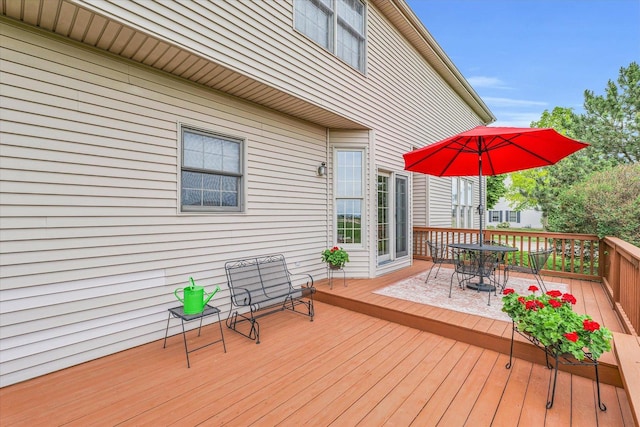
(495, 189)
(611, 123)
(607, 203)
(539, 187)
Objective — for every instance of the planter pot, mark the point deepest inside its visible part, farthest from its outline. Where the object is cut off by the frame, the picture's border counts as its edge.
(335, 266)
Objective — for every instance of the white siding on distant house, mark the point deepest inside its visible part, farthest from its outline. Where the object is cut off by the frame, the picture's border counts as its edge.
(93, 245)
(529, 218)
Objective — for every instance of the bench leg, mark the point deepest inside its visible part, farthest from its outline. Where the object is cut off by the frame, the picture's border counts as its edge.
(290, 304)
(233, 321)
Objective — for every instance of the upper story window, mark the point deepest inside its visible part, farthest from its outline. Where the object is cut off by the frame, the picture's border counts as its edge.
(211, 172)
(336, 25)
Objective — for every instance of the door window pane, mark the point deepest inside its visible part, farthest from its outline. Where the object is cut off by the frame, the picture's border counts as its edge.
(402, 217)
(383, 218)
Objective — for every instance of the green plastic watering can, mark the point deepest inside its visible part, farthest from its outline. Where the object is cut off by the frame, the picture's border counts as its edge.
(194, 297)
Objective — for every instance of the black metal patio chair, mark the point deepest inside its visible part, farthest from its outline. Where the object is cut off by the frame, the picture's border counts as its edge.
(489, 269)
(439, 256)
(465, 265)
(538, 261)
(502, 265)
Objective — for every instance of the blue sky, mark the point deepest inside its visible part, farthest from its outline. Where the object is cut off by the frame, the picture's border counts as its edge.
(525, 56)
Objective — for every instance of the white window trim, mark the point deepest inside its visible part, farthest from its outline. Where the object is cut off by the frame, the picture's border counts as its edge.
(392, 192)
(242, 206)
(390, 207)
(468, 215)
(333, 49)
(364, 207)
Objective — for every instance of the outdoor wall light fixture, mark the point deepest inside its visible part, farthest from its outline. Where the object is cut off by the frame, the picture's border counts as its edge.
(322, 169)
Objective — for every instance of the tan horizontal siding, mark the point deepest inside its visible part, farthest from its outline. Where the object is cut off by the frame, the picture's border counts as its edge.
(89, 201)
(439, 202)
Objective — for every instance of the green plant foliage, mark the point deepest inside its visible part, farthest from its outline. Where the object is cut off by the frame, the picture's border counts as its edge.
(610, 124)
(606, 203)
(550, 319)
(495, 189)
(335, 256)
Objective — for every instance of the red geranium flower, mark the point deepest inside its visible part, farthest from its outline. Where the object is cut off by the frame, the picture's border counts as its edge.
(531, 305)
(521, 299)
(555, 303)
(533, 288)
(508, 291)
(554, 293)
(572, 336)
(568, 298)
(590, 325)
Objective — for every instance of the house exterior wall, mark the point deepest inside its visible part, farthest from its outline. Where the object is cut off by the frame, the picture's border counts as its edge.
(92, 233)
(257, 39)
(93, 245)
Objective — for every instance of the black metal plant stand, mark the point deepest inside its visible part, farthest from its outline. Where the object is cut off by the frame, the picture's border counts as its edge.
(551, 353)
(332, 271)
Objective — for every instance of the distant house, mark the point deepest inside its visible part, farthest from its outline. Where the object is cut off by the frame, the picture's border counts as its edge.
(147, 142)
(503, 213)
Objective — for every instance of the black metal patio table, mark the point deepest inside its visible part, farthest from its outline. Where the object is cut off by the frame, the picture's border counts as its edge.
(481, 249)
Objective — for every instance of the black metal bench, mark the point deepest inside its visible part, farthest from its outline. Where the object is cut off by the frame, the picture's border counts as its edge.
(265, 283)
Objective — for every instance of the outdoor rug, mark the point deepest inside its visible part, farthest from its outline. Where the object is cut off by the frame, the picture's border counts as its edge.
(436, 293)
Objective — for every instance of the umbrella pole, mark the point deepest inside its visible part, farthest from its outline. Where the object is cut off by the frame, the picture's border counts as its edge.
(480, 208)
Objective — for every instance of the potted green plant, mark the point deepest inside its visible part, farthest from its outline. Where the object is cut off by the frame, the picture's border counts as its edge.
(549, 318)
(336, 257)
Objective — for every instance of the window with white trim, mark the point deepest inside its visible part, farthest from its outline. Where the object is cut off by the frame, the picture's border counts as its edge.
(393, 216)
(336, 25)
(211, 172)
(461, 203)
(349, 195)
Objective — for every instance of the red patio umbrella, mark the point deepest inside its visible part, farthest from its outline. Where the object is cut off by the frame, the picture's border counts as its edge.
(486, 150)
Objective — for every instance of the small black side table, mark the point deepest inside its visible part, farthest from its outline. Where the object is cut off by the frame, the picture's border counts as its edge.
(178, 312)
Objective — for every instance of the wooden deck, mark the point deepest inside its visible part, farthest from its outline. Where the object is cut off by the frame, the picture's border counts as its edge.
(345, 368)
(476, 330)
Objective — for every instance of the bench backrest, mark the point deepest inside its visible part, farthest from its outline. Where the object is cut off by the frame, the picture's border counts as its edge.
(264, 278)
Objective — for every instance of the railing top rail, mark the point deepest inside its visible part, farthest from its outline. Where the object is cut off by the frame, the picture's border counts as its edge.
(549, 234)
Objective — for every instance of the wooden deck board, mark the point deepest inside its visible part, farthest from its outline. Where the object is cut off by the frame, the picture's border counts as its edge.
(467, 327)
(441, 399)
(345, 368)
(536, 396)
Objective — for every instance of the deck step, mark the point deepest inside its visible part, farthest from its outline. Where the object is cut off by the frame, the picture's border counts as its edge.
(496, 338)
